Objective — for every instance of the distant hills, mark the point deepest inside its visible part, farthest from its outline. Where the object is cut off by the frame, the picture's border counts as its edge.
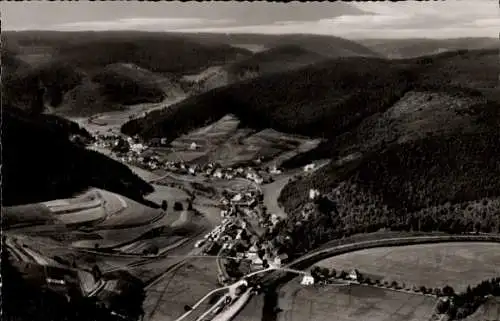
(89, 72)
(277, 59)
(329, 46)
(40, 163)
(83, 73)
(410, 48)
(324, 99)
(303, 101)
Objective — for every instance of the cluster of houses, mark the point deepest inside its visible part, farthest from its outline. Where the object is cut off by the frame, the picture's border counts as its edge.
(237, 237)
(131, 150)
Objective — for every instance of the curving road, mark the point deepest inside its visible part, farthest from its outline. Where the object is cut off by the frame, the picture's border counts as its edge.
(311, 258)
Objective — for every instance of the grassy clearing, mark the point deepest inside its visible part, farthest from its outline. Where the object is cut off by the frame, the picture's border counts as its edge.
(351, 303)
(432, 265)
(271, 194)
(170, 194)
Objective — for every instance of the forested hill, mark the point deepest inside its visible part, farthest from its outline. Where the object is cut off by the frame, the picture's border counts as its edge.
(325, 99)
(430, 161)
(40, 163)
(83, 73)
(325, 45)
(407, 48)
(319, 100)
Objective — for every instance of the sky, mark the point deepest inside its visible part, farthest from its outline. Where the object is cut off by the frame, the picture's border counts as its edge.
(353, 20)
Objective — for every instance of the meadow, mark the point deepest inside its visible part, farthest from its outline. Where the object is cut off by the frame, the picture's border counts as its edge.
(430, 265)
(354, 303)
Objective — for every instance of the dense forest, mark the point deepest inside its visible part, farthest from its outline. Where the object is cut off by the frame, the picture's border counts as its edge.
(324, 100)
(276, 59)
(73, 69)
(40, 162)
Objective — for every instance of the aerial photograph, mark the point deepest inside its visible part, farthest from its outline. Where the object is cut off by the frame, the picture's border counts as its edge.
(250, 161)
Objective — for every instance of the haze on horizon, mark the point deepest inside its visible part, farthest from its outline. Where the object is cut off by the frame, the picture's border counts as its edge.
(409, 19)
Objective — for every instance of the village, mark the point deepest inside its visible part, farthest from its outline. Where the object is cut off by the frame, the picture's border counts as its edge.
(131, 151)
(244, 240)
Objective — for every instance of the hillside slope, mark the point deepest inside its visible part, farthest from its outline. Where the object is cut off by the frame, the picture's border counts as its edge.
(115, 87)
(86, 72)
(155, 51)
(408, 48)
(40, 163)
(430, 161)
(474, 73)
(277, 59)
(329, 46)
(323, 99)
(407, 137)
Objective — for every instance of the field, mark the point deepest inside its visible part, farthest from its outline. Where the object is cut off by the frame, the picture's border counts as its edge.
(110, 122)
(165, 301)
(23, 214)
(431, 265)
(225, 142)
(170, 194)
(355, 303)
(122, 221)
(130, 214)
(253, 310)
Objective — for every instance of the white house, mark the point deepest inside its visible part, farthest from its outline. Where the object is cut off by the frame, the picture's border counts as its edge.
(353, 275)
(238, 197)
(274, 219)
(307, 280)
(217, 174)
(274, 170)
(193, 146)
(313, 194)
(276, 263)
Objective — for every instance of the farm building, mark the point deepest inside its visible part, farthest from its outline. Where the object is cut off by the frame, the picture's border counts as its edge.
(313, 194)
(307, 280)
